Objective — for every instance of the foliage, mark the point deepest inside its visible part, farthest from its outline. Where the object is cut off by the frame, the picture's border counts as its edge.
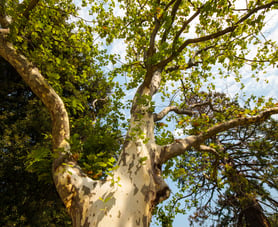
(192, 43)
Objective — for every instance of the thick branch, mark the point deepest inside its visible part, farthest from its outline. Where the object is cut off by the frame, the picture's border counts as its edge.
(179, 146)
(32, 76)
(4, 31)
(243, 121)
(177, 110)
(151, 49)
(68, 177)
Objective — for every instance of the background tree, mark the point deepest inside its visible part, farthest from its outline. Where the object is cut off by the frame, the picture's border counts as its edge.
(167, 42)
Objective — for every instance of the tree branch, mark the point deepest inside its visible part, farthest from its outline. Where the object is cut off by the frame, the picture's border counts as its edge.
(243, 121)
(209, 149)
(67, 175)
(179, 146)
(226, 30)
(191, 61)
(157, 26)
(29, 8)
(177, 110)
(173, 15)
(4, 31)
(185, 24)
(38, 84)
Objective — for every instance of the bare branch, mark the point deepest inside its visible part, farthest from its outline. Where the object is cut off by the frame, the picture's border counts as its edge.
(97, 100)
(177, 110)
(179, 146)
(207, 149)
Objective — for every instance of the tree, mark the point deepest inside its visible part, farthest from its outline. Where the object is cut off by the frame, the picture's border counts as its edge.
(162, 48)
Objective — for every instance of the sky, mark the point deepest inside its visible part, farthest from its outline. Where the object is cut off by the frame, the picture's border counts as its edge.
(227, 85)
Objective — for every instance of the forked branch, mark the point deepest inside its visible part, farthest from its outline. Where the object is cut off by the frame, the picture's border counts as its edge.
(177, 110)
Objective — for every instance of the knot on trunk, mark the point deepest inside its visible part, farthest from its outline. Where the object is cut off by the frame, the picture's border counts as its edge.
(163, 191)
(162, 194)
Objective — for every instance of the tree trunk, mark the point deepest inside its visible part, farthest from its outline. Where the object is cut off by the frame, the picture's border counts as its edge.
(253, 215)
(128, 196)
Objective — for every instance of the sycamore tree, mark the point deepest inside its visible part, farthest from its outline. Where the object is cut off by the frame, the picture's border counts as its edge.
(172, 47)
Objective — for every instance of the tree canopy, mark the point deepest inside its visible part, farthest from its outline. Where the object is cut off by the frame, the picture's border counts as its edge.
(57, 67)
